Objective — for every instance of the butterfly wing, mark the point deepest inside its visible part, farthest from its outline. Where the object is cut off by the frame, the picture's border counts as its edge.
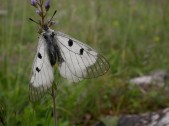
(42, 72)
(80, 60)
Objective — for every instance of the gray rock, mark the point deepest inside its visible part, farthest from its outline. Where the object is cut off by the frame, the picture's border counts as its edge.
(160, 118)
(157, 78)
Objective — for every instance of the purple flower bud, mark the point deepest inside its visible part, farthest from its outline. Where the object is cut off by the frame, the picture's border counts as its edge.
(47, 5)
(33, 2)
(38, 12)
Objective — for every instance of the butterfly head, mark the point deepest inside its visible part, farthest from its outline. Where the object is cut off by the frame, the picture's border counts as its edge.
(49, 32)
(48, 35)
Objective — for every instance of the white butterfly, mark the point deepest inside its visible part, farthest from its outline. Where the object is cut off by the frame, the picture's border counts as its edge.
(76, 60)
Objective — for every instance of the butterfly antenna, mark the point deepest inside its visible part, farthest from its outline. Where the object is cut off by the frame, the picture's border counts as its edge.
(33, 21)
(52, 16)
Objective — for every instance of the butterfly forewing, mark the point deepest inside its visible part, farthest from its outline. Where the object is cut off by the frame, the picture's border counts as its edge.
(42, 72)
(80, 60)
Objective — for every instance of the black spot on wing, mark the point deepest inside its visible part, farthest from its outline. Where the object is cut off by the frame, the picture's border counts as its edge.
(39, 56)
(70, 42)
(37, 69)
(81, 51)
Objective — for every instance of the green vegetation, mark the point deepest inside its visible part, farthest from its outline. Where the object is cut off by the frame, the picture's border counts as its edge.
(132, 35)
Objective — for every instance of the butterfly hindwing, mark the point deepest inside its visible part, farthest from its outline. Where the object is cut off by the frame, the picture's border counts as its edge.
(66, 73)
(80, 60)
(42, 71)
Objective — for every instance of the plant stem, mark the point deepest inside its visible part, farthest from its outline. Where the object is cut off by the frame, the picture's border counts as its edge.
(54, 106)
(42, 12)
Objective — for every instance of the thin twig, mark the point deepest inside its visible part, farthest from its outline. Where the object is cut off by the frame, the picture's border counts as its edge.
(42, 12)
(54, 105)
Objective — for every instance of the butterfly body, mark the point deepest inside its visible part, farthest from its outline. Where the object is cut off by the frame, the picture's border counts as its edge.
(52, 47)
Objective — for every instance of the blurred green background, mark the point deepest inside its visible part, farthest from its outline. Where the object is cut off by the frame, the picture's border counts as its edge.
(131, 34)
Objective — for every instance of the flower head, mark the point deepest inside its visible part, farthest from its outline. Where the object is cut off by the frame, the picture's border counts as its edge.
(47, 5)
(34, 2)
